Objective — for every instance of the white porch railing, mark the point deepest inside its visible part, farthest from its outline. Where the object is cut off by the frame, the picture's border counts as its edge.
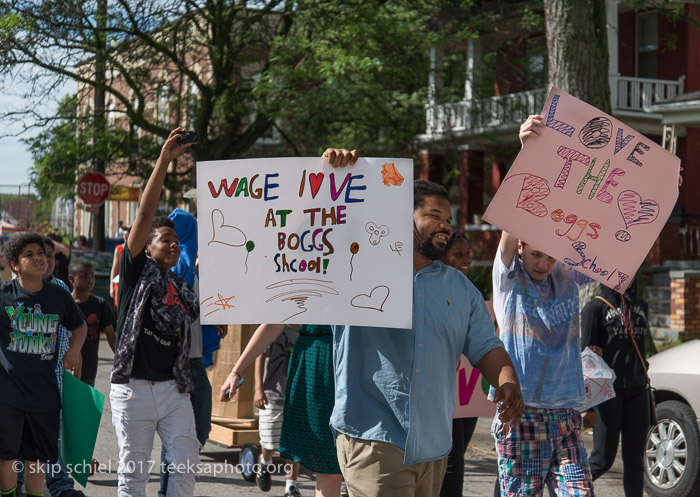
(633, 94)
(485, 112)
(626, 94)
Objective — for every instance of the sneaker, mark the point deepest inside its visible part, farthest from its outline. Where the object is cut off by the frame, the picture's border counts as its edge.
(262, 477)
(292, 492)
(71, 493)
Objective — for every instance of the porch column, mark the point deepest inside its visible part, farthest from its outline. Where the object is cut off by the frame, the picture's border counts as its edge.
(471, 184)
(430, 166)
(611, 15)
(474, 50)
(434, 87)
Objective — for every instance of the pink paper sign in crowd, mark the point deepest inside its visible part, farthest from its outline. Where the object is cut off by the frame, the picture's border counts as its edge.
(589, 191)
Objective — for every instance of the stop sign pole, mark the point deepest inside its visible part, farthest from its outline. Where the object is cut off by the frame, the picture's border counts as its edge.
(93, 190)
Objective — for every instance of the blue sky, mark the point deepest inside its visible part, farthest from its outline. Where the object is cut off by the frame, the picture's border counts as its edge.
(14, 156)
(16, 161)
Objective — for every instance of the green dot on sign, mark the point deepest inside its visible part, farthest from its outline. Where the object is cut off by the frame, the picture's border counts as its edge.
(250, 246)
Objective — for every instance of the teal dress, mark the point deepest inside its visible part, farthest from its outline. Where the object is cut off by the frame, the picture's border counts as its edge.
(306, 435)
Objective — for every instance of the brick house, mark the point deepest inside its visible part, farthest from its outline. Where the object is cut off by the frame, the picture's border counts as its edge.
(655, 89)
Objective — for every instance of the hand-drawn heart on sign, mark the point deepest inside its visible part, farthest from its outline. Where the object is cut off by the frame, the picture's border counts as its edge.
(634, 210)
(375, 300)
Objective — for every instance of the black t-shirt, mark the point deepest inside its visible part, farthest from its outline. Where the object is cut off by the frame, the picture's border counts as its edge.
(60, 270)
(601, 326)
(98, 316)
(155, 353)
(29, 344)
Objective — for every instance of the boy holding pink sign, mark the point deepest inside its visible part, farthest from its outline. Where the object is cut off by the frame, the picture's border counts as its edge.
(536, 303)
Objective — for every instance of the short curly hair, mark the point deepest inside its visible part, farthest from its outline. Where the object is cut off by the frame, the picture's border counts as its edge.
(159, 222)
(14, 247)
(422, 189)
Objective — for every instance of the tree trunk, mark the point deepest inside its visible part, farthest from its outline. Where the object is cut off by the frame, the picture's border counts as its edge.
(577, 45)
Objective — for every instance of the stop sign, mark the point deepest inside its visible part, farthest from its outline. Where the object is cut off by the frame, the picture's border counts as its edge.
(93, 188)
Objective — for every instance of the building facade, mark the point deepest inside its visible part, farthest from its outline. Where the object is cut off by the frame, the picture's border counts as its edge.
(654, 73)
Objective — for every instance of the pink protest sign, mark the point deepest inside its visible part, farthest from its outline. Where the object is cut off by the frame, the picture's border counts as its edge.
(589, 191)
(472, 391)
(472, 387)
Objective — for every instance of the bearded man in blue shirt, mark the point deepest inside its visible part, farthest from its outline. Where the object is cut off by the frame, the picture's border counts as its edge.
(395, 388)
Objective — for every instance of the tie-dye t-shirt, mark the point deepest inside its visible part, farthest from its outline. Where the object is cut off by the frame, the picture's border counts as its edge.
(539, 326)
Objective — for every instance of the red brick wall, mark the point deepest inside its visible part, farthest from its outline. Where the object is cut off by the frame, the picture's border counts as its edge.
(685, 303)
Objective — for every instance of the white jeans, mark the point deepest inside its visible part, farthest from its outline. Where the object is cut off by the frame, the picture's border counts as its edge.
(139, 409)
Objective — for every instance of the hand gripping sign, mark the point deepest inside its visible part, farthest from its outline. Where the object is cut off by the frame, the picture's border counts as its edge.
(589, 191)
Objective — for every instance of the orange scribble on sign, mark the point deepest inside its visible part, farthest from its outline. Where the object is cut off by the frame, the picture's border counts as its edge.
(390, 176)
(223, 303)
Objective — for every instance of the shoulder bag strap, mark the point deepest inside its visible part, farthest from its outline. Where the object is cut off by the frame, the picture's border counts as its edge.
(634, 342)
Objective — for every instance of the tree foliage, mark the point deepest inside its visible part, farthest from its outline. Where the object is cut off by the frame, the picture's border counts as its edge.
(166, 63)
(322, 73)
(354, 74)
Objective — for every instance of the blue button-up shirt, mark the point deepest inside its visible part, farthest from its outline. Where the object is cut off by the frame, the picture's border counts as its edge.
(398, 385)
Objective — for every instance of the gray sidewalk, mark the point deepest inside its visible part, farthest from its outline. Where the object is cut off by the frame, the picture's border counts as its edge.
(219, 477)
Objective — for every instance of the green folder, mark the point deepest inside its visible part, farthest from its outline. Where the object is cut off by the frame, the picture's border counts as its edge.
(82, 411)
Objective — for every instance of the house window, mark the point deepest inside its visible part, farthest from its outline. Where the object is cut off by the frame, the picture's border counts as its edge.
(647, 45)
(536, 61)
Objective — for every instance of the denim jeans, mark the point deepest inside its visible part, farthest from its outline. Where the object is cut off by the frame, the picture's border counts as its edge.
(139, 409)
(201, 405)
(59, 481)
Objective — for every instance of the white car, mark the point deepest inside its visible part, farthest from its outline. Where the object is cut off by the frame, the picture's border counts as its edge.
(672, 459)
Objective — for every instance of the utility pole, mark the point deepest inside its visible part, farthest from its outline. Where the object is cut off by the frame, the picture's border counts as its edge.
(99, 119)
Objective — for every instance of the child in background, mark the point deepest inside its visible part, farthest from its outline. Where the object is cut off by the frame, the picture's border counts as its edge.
(270, 385)
(31, 401)
(98, 316)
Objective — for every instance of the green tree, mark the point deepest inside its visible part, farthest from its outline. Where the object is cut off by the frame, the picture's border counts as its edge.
(322, 73)
(352, 74)
(185, 62)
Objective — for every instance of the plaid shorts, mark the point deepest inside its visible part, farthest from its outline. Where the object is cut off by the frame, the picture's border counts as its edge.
(544, 448)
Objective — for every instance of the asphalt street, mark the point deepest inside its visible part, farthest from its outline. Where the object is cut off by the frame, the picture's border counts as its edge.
(220, 476)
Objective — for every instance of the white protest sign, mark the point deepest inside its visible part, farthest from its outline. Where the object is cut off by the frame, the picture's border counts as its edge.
(294, 240)
(590, 191)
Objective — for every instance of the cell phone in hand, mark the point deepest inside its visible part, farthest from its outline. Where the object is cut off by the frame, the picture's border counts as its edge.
(187, 137)
(240, 382)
